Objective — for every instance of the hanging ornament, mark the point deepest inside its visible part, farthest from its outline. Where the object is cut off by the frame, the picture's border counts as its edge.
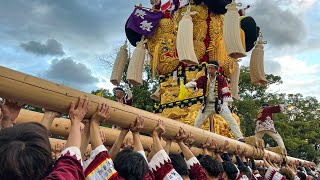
(134, 73)
(185, 47)
(234, 78)
(257, 63)
(231, 32)
(119, 65)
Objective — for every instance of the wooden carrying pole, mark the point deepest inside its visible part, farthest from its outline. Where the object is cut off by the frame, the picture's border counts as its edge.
(34, 91)
(61, 126)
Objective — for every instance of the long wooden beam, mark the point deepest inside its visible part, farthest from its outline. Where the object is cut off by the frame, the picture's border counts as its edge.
(31, 90)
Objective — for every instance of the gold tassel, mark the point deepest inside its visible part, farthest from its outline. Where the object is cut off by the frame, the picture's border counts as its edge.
(119, 65)
(155, 59)
(185, 47)
(134, 73)
(221, 53)
(231, 32)
(257, 63)
(235, 81)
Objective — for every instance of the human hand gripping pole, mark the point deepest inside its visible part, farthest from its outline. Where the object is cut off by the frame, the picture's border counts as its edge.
(76, 114)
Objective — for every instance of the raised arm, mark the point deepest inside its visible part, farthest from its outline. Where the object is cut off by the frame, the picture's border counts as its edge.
(77, 113)
(135, 129)
(9, 113)
(69, 165)
(160, 164)
(99, 165)
(168, 146)
(180, 138)
(117, 145)
(265, 160)
(196, 170)
(156, 133)
(100, 116)
(85, 137)
(48, 118)
(206, 146)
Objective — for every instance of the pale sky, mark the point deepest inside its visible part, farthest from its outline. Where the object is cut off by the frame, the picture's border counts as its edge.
(64, 40)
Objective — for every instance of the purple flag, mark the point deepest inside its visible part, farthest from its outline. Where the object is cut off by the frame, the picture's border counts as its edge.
(143, 21)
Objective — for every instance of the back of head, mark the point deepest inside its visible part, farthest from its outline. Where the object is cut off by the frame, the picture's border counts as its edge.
(288, 174)
(230, 169)
(301, 175)
(130, 164)
(25, 151)
(261, 171)
(213, 167)
(179, 164)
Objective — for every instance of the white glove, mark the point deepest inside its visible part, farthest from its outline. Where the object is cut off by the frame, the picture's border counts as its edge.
(191, 85)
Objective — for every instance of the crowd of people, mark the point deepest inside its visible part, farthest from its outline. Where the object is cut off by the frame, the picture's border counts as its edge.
(26, 153)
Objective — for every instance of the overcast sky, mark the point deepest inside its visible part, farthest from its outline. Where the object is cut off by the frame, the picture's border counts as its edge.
(64, 40)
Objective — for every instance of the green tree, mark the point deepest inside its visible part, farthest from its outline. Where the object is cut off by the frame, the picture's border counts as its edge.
(105, 93)
(32, 108)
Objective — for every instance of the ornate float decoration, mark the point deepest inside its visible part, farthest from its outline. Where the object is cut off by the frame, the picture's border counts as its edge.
(196, 31)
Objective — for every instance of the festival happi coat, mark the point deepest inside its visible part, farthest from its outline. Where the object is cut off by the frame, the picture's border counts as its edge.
(180, 37)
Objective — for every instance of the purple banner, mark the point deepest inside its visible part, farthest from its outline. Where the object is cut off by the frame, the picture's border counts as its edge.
(143, 21)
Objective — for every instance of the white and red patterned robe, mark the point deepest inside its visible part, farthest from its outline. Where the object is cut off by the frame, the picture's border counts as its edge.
(265, 120)
(68, 166)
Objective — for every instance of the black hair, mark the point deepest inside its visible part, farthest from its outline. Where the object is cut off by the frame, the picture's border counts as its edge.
(245, 171)
(214, 62)
(130, 164)
(211, 165)
(261, 170)
(179, 164)
(25, 152)
(230, 169)
(301, 175)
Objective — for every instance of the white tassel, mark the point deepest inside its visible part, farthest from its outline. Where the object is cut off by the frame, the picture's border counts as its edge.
(134, 73)
(234, 78)
(185, 47)
(119, 65)
(231, 32)
(257, 63)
